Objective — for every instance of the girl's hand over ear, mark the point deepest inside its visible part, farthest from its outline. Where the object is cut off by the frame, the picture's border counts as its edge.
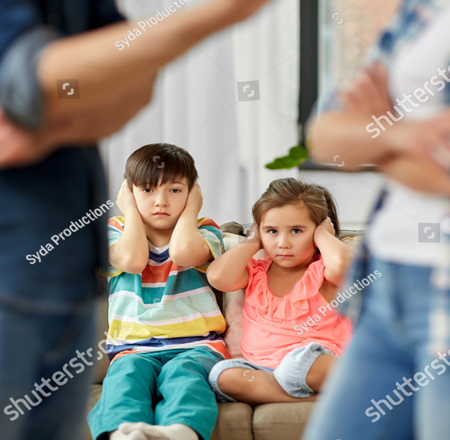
(325, 226)
(253, 236)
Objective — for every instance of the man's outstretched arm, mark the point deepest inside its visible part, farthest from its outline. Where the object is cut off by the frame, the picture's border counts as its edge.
(114, 85)
(105, 73)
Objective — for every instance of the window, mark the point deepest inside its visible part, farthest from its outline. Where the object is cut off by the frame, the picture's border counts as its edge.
(347, 29)
(334, 38)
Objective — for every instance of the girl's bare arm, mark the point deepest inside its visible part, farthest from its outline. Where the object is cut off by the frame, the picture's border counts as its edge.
(336, 254)
(229, 272)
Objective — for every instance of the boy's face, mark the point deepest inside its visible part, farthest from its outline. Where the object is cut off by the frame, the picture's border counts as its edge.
(161, 207)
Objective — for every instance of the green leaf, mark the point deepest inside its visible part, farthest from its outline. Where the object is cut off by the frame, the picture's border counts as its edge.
(297, 155)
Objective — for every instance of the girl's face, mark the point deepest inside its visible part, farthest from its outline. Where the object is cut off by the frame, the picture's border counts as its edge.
(287, 235)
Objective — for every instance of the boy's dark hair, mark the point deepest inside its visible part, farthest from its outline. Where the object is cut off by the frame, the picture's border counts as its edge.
(150, 163)
(288, 191)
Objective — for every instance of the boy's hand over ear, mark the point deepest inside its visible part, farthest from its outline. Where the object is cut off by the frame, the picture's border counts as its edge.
(125, 199)
(195, 199)
(187, 245)
(130, 253)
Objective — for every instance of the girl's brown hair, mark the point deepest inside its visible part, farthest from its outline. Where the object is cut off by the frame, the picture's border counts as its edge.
(288, 191)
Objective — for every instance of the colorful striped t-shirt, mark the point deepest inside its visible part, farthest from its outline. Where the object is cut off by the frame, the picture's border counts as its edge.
(166, 306)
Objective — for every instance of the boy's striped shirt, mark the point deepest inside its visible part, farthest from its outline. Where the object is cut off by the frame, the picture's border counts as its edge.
(166, 306)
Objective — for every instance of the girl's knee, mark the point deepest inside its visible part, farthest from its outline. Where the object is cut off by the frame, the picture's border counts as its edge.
(319, 371)
(230, 379)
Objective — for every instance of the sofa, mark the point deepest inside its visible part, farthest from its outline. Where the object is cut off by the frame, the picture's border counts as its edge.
(236, 421)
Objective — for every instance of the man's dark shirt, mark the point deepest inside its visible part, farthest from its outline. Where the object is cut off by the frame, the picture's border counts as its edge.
(42, 200)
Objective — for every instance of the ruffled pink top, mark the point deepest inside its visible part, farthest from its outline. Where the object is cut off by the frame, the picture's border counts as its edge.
(274, 326)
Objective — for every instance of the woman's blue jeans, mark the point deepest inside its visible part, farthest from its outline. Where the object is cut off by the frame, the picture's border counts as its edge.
(388, 386)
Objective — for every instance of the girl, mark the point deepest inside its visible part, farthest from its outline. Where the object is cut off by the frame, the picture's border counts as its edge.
(291, 335)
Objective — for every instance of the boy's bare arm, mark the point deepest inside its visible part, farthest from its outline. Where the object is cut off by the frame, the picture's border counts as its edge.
(336, 254)
(187, 245)
(229, 272)
(130, 253)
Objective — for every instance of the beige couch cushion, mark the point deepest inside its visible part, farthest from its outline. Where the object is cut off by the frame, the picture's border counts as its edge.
(234, 422)
(283, 421)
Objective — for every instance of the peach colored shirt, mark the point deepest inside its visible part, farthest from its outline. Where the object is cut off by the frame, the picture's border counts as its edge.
(274, 326)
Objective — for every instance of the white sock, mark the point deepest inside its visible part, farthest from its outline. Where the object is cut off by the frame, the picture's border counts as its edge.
(144, 431)
(181, 432)
(134, 435)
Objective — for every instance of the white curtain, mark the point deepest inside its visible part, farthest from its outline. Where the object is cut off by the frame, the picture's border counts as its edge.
(196, 106)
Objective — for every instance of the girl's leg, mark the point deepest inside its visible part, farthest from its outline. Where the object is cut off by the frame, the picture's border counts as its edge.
(240, 380)
(128, 393)
(187, 398)
(302, 371)
(319, 371)
(254, 387)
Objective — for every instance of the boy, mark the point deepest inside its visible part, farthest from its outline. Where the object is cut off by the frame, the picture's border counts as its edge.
(164, 319)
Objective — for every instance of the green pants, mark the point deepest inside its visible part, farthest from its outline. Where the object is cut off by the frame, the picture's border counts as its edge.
(159, 388)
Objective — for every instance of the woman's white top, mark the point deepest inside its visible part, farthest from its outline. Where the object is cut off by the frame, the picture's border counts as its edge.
(408, 228)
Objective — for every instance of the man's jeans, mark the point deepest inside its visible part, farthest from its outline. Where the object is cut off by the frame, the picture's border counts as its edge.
(46, 365)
